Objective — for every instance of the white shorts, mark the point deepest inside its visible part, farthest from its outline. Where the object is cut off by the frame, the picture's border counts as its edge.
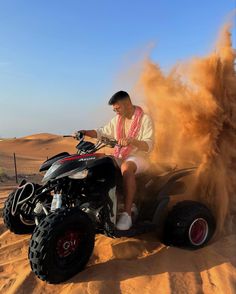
(141, 163)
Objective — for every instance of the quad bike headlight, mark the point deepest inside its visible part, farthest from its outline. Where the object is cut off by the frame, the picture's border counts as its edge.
(50, 171)
(79, 175)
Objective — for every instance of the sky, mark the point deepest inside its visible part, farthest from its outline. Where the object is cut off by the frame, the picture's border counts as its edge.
(61, 60)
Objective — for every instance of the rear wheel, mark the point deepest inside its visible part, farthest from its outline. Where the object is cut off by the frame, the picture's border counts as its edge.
(189, 224)
(61, 245)
(16, 223)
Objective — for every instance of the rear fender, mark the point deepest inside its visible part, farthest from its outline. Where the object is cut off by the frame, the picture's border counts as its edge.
(160, 210)
(173, 186)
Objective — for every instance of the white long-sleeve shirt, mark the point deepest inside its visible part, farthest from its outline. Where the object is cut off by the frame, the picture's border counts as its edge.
(146, 132)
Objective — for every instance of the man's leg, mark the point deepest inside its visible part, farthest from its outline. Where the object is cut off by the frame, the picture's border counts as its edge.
(128, 169)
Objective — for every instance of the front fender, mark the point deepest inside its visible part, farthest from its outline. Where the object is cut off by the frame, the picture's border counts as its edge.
(48, 163)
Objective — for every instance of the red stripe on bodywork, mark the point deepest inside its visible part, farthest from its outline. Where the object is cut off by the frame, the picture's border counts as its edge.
(73, 157)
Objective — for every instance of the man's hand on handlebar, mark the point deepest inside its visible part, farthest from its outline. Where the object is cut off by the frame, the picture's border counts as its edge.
(78, 134)
(109, 142)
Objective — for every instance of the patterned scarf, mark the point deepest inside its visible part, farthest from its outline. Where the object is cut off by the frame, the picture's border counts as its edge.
(123, 152)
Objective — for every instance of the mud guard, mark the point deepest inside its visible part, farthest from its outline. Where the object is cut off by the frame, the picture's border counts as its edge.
(48, 163)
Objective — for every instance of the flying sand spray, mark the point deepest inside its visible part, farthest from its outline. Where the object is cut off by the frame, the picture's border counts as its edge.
(194, 110)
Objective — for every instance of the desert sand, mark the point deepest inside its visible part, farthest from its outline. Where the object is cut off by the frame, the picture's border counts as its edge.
(126, 265)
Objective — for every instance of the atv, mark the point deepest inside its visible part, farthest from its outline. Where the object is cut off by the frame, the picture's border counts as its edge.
(78, 199)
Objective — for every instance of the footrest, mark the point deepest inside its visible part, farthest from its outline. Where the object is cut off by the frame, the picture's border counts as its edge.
(137, 229)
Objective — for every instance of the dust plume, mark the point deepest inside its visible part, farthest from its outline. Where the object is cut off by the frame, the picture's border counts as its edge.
(194, 112)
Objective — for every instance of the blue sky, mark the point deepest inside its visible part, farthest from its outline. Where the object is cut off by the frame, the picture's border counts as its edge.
(60, 61)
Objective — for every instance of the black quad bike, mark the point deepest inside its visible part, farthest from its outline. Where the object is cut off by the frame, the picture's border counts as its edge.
(77, 199)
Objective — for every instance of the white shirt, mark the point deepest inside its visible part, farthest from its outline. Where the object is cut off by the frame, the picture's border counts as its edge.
(145, 133)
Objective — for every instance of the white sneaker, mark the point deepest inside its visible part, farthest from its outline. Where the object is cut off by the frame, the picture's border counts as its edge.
(125, 222)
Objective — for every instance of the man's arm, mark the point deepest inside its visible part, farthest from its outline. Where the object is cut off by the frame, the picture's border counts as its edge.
(106, 131)
(141, 145)
(89, 133)
(147, 133)
(146, 142)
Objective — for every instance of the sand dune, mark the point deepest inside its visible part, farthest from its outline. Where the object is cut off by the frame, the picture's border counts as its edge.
(32, 151)
(38, 146)
(125, 265)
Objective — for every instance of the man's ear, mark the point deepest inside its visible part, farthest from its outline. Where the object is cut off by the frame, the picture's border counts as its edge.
(127, 102)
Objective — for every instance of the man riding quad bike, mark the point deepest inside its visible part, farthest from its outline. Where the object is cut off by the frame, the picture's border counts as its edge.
(78, 199)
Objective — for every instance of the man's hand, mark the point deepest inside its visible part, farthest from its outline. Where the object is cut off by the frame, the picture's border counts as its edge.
(89, 133)
(125, 142)
(75, 133)
(140, 145)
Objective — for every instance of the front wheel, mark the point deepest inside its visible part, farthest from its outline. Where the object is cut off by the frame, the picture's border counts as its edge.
(190, 224)
(61, 245)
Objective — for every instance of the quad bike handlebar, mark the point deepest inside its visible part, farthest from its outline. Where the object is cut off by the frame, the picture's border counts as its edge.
(109, 142)
(79, 136)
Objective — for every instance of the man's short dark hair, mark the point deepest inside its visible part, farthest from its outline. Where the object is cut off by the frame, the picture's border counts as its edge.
(118, 96)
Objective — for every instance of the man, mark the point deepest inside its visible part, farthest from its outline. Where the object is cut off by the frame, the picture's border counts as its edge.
(133, 130)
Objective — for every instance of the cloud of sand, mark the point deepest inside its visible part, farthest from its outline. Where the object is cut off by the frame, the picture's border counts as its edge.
(194, 111)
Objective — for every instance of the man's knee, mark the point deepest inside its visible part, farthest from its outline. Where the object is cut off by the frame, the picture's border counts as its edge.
(128, 167)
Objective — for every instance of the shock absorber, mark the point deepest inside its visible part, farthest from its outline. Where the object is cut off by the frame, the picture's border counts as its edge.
(38, 208)
(56, 201)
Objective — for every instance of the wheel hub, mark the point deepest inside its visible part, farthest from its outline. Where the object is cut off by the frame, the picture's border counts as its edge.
(198, 231)
(67, 243)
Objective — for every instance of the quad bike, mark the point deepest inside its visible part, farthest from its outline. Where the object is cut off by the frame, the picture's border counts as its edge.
(78, 199)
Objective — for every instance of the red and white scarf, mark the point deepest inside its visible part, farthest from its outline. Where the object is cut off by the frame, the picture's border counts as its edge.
(123, 152)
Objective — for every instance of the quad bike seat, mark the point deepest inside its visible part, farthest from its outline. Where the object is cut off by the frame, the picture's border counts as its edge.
(156, 171)
(162, 168)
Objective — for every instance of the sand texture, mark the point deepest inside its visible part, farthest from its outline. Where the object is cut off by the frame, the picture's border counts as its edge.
(126, 265)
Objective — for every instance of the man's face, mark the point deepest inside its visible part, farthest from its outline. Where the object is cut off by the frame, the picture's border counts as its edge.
(119, 108)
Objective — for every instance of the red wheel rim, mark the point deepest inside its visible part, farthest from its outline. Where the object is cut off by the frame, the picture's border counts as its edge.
(198, 231)
(67, 243)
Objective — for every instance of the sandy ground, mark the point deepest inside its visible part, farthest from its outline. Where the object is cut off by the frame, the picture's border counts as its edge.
(126, 265)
